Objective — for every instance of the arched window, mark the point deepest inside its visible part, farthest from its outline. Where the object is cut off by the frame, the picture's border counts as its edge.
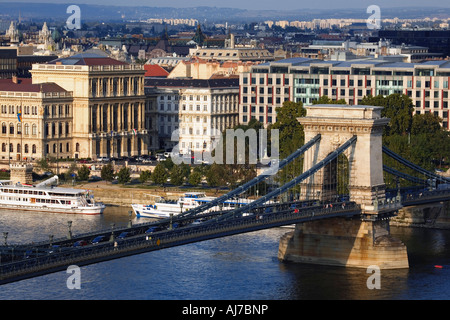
(34, 129)
(11, 147)
(3, 147)
(27, 129)
(11, 128)
(26, 148)
(3, 128)
(33, 149)
(54, 148)
(19, 149)
(77, 147)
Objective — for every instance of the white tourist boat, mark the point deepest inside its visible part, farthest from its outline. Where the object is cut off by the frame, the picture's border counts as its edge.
(43, 197)
(164, 208)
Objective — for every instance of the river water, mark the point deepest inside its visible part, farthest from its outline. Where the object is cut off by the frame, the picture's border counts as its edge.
(240, 267)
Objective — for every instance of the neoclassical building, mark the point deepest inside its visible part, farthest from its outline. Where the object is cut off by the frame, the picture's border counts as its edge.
(195, 110)
(36, 120)
(109, 103)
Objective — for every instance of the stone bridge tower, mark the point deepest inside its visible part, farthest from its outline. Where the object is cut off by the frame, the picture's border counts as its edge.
(355, 242)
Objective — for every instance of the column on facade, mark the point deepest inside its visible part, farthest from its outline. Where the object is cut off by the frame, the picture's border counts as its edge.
(130, 116)
(120, 117)
(108, 115)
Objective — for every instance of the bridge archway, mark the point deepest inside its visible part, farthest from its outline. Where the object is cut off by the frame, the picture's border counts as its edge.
(336, 124)
(360, 241)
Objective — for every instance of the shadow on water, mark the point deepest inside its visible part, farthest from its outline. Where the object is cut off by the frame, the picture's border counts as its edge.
(338, 283)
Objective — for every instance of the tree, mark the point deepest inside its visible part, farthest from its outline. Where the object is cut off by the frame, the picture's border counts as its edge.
(71, 172)
(84, 173)
(168, 163)
(145, 176)
(107, 172)
(185, 170)
(159, 174)
(195, 178)
(397, 107)
(215, 175)
(124, 175)
(43, 164)
(291, 132)
(176, 176)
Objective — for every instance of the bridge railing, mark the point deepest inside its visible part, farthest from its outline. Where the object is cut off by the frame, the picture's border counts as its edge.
(387, 204)
(425, 194)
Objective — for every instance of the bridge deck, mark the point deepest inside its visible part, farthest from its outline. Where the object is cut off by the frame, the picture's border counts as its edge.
(59, 260)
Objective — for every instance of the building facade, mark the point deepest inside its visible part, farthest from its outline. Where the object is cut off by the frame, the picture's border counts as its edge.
(204, 114)
(192, 111)
(36, 120)
(109, 104)
(268, 85)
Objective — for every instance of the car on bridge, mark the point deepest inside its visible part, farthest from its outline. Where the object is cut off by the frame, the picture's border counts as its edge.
(124, 235)
(80, 243)
(98, 239)
(153, 229)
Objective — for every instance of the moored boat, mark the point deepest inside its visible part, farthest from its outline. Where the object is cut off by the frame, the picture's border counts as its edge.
(43, 197)
(163, 208)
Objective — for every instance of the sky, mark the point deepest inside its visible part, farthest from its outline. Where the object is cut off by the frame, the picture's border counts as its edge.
(258, 4)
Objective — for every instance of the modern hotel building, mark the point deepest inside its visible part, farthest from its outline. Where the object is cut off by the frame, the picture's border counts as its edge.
(268, 85)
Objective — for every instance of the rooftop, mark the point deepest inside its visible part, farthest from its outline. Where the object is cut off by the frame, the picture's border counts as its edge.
(87, 59)
(25, 85)
(192, 83)
(381, 62)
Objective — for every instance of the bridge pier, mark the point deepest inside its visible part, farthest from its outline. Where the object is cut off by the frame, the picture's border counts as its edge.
(364, 240)
(344, 242)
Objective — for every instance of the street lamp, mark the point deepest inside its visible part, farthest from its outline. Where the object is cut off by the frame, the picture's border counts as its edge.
(111, 239)
(129, 218)
(69, 226)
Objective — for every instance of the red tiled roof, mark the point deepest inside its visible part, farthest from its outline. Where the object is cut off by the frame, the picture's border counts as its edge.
(154, 70)
(25, 85)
